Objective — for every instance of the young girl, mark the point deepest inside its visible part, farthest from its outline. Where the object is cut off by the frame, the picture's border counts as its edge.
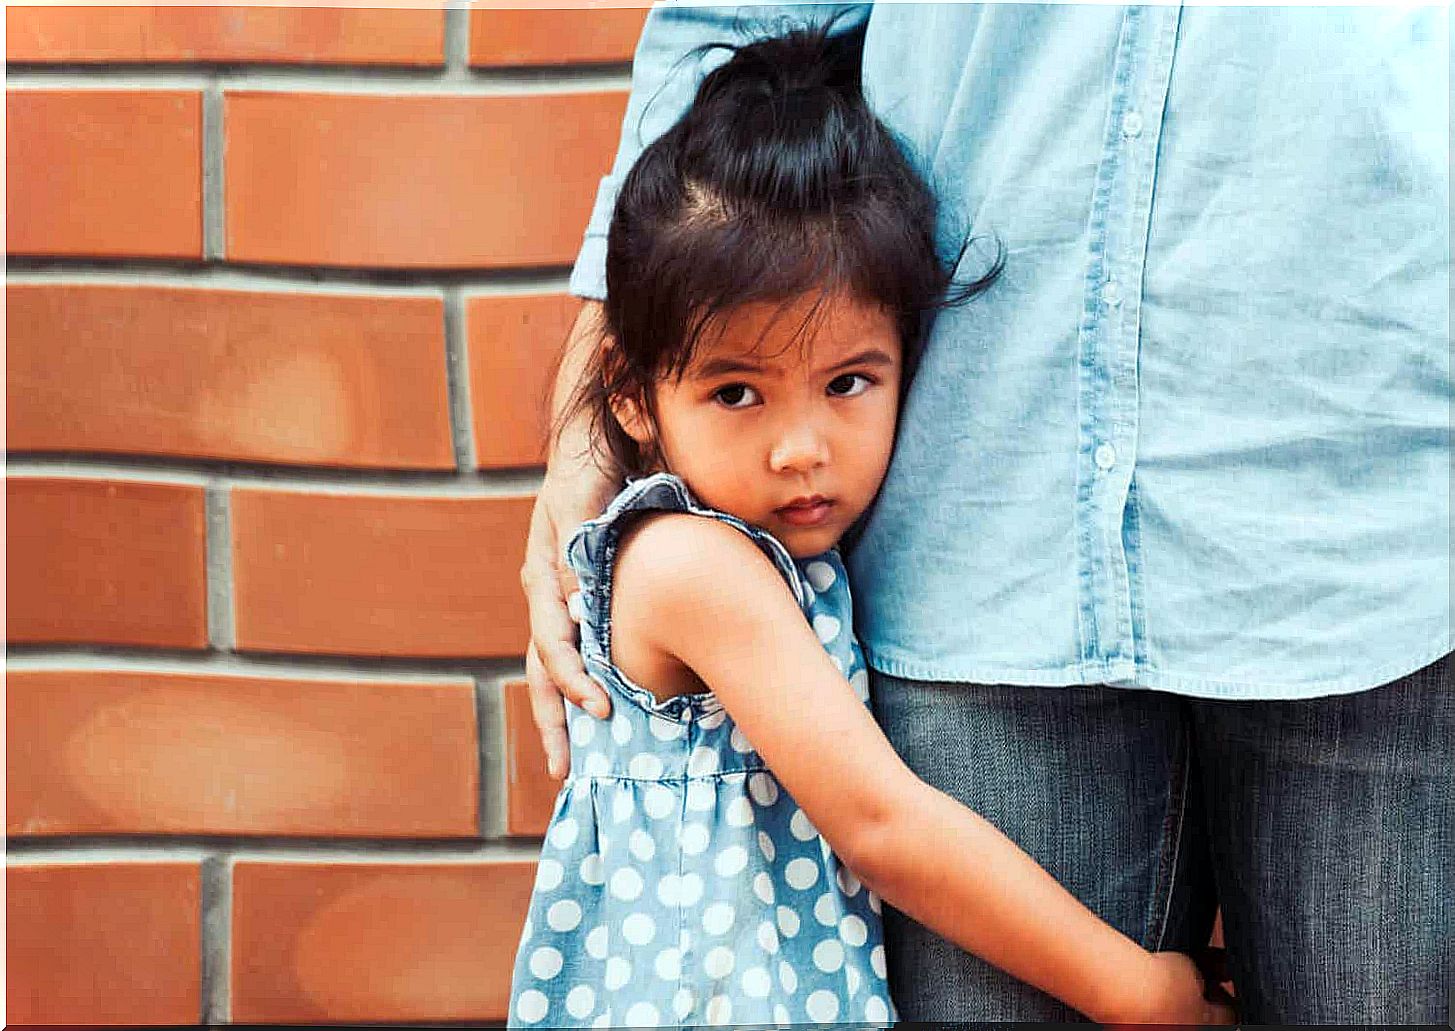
(719, 849)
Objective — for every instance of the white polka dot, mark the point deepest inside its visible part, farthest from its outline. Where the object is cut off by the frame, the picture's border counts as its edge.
(668, 890)
(826, 909)
(618, 973)
(718, 918)
(838, 663)
(787, 921)
(768, 937)
(876, 961)
(875, 1010)
(689, 890)
(739, 812)
(766, 846)
(564, 915)
(583, 730)
(621, 730)
(596, 765)
(852, 979)
(827, 627)
(603, 1020)
(641, 845)
(580, 1001)
(801, 873)
(763, 888)
(731, 861)
(780, 1014)
(874, 902)
(800, 827)
(682, 1003)
(643, 1014)
(591, 872)
(848, 883)
(787, 977)
(548, 875)
(820, 575)
(859, 681)
(853, 930)
(546, 962)
(763, 788)
(719, 1009)
(701, 795)
(756, 983)
(563, 834)
(531, 1006)
(658, 802)
(638, 929)
(822, 1006)
(596, 943)
(626, 884)
(718, 962)
(644, 766)
(828, 955)
(669, 964)
(702, 762)
(712, 720)
(739, 740)
(665, 730)
(622, 806)
(695, 839)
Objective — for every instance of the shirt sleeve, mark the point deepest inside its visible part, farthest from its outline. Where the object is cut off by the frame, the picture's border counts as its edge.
(665, 74)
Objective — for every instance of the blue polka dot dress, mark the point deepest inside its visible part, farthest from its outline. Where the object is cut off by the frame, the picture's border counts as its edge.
(679, 884)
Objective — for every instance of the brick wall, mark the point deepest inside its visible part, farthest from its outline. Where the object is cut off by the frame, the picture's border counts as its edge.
(285, 286)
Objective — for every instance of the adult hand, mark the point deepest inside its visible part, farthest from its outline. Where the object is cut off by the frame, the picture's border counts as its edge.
(575, 489)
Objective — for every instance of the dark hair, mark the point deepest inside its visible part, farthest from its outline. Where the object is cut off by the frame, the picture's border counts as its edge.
(777, 182)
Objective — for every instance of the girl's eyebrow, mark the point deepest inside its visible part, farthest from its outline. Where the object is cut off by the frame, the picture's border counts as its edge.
(714, 367)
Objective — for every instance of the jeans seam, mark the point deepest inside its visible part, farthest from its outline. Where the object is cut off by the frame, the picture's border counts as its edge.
(1172, 826)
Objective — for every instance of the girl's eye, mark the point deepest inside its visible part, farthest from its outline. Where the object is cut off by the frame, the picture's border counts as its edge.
(736, 395)
(850, 384)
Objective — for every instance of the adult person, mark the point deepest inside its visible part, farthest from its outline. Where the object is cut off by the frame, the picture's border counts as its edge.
(1159, 581)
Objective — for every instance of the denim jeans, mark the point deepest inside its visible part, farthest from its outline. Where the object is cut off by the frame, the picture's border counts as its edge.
(1325, 829)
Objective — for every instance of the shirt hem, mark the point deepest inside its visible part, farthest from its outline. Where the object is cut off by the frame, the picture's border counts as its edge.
(1128, 675)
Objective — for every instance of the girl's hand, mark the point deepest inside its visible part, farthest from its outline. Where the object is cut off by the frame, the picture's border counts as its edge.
(1176, 993)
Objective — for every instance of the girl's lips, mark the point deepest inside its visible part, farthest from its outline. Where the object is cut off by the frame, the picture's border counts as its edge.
(810, 514)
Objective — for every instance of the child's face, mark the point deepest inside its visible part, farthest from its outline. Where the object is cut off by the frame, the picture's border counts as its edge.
(788, 432)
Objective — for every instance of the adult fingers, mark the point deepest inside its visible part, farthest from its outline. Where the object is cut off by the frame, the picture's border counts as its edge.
(549, 715)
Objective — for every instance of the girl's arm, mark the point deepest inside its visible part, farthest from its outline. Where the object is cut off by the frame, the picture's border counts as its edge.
(701, 592)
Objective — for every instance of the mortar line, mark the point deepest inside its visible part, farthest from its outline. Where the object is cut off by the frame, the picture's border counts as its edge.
(311, 279)
(457, 40)
(457, 382)
(216, 939)
(494, 772)
(214, 145)
(221, 628)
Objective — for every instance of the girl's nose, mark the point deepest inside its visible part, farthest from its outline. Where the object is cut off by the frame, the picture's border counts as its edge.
(800, 449)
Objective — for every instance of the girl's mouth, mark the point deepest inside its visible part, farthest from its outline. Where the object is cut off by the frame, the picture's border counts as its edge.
(806, 511)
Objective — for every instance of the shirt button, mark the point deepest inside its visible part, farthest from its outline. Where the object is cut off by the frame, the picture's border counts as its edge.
(1132, 125)
(1105, 457)
(1111, 292)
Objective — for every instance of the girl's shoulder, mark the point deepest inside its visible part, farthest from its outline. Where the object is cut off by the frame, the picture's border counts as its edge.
(659, 536)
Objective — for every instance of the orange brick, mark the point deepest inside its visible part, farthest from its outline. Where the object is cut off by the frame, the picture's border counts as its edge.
(525, 37)
(110, 752)
(275, 35)
(104, 173)
(515, 344)
(106, 562)
(370, 575)
(414, 182)
(375, 942)
(310, 379)
(531, 790)
(103, 943)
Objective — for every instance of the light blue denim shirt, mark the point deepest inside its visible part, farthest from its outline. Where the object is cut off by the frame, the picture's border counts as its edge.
(1197, 437)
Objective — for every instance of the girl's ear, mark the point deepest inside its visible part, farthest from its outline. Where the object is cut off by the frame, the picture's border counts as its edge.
(633, 420)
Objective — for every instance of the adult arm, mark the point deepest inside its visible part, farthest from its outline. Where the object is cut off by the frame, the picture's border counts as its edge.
(665, 74)
(926, 854)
